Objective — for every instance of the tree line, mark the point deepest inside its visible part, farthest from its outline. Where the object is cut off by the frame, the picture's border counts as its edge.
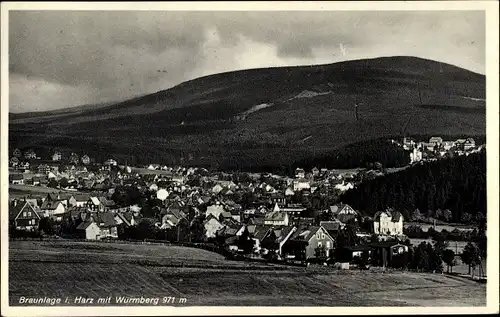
(456, 184)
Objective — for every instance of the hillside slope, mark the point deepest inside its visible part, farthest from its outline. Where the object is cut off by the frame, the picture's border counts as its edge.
(273, 116)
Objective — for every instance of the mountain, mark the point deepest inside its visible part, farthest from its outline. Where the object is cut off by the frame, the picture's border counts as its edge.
(271, 116)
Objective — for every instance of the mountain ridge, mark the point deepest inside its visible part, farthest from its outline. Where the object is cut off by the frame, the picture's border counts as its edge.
(201, 119)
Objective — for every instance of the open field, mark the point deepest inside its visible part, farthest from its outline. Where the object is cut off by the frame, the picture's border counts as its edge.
(21, 191)
(39, 268)
(439, 227)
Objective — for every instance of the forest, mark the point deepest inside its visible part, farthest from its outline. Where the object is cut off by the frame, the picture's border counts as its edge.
(457, 184)
(360, 154)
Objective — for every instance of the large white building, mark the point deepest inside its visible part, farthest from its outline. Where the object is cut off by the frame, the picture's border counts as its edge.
(388, 222)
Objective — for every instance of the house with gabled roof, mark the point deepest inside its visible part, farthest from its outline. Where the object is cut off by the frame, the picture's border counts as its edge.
(277, 217)
(211, 226)
(24, 215)
(344, 213)
(53, 209)
(16, 179)
(388, 222)
(78, 200)
(309, 239)
(30, 154)
(275, 238)
(127, 218)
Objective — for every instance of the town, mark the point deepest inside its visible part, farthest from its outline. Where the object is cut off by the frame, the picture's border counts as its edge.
(248, 216)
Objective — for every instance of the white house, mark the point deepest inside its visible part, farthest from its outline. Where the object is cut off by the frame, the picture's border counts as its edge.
(215, 210)
(212, 225)
(56, 156)
(54, 209)
(388, 222)
(344, 186)
(300, 173)
(448, 145)
(89, 230)
(300, 184)
(436, 141)
(111, 162)
(276, 217)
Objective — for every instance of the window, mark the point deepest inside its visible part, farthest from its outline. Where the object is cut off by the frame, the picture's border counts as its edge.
(320, 244)
(29, 213)
(322, 236)
(328, 244)
(24, 213)
(318, 236)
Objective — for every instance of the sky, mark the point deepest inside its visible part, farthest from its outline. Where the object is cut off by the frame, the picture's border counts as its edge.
(60, 59)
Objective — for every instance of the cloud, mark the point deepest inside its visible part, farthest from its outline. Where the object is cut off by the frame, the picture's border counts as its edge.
(84, 56)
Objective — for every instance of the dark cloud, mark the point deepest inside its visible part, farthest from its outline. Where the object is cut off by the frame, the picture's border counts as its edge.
(112, 55)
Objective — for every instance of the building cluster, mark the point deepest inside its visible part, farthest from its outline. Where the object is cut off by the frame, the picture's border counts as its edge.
(437, 148)
(274, 212)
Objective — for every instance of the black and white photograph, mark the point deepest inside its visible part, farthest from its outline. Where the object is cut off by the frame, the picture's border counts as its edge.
(216, 155)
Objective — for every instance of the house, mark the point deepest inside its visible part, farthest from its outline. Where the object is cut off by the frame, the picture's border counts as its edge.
(301, 184)
(111, 162)
(307, 239)
(62, 197)
(315, 171)
(16, 153)
(106, 223)
(332, 227)
(447, 145)
(279, 199)
(171, 217)
(30, 154)
(469, 144)
(85, 159)
(388, 222)
(408, 143)
(300, 173)
(53, 209)
(88, 230)
(436, 141)
(293, 210)
(23, 166)
(78, 200)
(384, 252)
(56, 156)
(257, 233)
(14, 161)
(276, 217)
(415, 156)
(127, 218)
(275, 238)
(216, 210)
(289, 191)
(25, 215)
(16, 179)
(344, 213)
(344, 186)
(43, 169)
(94, 204)
(211, 225)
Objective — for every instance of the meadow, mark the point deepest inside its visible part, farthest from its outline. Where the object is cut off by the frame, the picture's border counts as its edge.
(70, 269)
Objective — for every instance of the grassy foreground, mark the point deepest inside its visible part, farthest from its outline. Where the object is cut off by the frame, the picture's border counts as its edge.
(70, 269)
